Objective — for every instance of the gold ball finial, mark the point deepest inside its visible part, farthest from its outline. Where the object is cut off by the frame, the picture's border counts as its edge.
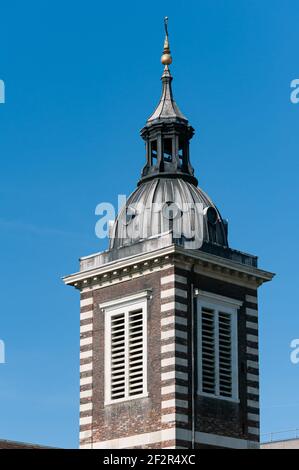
(166, 58)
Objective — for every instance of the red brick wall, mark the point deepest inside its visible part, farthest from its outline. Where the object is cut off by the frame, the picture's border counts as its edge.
(215, 415)
(140, 415)
(144, 415)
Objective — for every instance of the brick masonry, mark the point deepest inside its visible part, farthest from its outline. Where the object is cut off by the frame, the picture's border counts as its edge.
(219, 416)
(128, 418)
(169, 403)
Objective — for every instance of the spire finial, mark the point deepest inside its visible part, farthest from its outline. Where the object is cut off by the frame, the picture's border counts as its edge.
(166, 58)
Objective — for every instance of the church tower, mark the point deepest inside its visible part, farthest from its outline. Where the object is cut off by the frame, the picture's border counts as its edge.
(169, 313)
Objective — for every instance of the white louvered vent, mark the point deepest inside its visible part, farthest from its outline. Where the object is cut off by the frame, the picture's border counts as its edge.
(118, 356)
(217, 347)
(225, 354)
(136, 352)
(125, 361)
(208, 351)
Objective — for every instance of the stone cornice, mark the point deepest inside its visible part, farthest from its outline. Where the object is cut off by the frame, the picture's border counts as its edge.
(142, 264)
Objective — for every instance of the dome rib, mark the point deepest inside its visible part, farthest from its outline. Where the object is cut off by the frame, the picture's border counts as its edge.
(150, 221)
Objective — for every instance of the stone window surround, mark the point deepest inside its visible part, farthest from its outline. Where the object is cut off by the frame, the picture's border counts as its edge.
(137, 300)
(231, 306)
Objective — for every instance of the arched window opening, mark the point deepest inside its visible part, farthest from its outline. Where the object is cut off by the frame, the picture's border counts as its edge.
(181, 154)
(167, 150)
(153, 152)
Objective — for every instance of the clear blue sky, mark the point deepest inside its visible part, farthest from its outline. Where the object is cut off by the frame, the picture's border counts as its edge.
(81, 79)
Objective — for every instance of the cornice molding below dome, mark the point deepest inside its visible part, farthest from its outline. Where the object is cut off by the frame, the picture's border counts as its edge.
(184, 176)
(98, 270)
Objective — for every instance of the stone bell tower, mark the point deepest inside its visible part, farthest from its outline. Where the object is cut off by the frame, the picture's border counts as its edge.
(169, 313)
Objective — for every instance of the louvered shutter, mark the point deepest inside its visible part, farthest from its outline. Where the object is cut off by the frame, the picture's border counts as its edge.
(225, 354)
(135, 352)
(208, 350)
(126, 364)
(118, 359)
(217, 352)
